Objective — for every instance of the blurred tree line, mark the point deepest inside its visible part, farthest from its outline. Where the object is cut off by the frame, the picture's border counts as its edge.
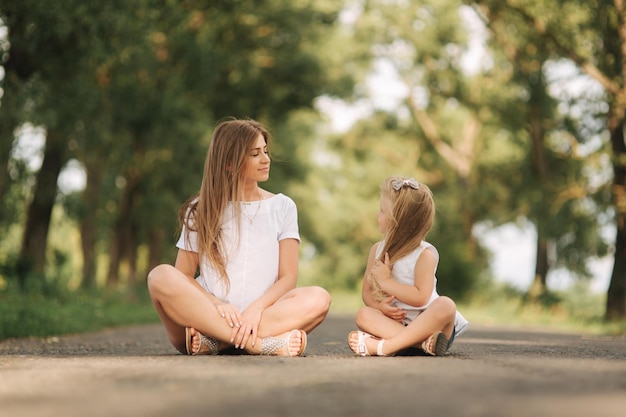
(131, 91)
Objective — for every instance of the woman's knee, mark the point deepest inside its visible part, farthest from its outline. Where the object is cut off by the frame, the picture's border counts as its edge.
(312, 302)
(319, 299)
(159, 277)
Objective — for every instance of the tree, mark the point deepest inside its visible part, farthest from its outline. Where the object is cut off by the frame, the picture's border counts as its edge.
(205, 62)
(552, 184)
(42, 41)
(423, 43)
(147, 80)
(589, 34)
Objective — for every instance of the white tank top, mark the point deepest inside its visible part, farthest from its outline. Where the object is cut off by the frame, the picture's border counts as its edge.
(404, 272)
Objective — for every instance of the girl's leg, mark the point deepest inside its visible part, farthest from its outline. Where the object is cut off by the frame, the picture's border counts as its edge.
(301, 308)
(439, 316)
(181, 303)
(374, 322)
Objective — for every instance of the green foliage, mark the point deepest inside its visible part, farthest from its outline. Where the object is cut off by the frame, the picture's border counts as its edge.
(555, 186)
(18, 191)
(340, 198)
(576, 309)
(458, 272)
(133, 89)
(39, 314)
(147, 81)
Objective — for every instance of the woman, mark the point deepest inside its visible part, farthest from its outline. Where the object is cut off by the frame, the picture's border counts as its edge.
(244, 242)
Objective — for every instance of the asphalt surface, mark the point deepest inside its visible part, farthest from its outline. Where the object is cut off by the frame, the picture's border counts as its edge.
(489, 372)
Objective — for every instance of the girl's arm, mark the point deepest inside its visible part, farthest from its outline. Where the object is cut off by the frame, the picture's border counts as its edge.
(385, 306)
(418, 294)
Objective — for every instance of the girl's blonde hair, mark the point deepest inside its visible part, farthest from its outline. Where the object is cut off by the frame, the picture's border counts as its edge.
(410, 218)
(222, 182)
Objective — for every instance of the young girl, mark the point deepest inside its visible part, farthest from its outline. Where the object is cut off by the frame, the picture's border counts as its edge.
(402, 307)
(243, 240)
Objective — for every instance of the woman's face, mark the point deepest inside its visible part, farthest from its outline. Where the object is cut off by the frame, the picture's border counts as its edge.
(383, 215)
(257, 162)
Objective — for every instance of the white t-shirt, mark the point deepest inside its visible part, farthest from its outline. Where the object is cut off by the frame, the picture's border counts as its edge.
(252, 265)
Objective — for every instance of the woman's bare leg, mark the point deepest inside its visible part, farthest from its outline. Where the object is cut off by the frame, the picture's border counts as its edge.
(301, 308)
(181, 303)
(168, 287)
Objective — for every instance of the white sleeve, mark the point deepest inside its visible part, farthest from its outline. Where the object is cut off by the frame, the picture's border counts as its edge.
(190, 244)
(290, 221)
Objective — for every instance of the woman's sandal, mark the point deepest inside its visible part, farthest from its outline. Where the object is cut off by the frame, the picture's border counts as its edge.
(361, 347)
(208, 345)
(436, 344)
(271, 345)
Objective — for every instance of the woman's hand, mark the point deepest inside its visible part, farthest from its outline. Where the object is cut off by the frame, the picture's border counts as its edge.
(249, 327)
(391, 311)
(230, 313)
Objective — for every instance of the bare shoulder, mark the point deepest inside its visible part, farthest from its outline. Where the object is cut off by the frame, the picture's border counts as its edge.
(373, 250)
(427, 257)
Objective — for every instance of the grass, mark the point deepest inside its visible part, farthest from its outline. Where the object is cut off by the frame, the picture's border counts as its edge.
(36, 315)
(23, 315)
(573, 311)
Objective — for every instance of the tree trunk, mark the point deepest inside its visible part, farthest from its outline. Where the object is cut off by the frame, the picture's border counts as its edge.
(115, 251)
(155, 248)
(8, 124)
(131, 256)
(121, 234)
(88, 225)
(616, 295)
(88, 246)
(539, 286)
(537, 133)
(32, 256)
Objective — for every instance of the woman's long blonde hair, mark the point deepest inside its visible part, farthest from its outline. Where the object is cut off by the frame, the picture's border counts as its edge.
(410, 218)
(222, 182)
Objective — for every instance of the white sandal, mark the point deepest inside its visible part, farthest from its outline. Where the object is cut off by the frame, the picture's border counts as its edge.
(361, 347)
(208, 345)
(270, 345)
(436, 344)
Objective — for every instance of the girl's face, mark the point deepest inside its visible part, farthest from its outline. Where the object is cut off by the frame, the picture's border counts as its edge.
(383, 215)
(257, 162)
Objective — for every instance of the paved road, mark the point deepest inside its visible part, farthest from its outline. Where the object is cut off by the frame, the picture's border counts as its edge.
(489, 372)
